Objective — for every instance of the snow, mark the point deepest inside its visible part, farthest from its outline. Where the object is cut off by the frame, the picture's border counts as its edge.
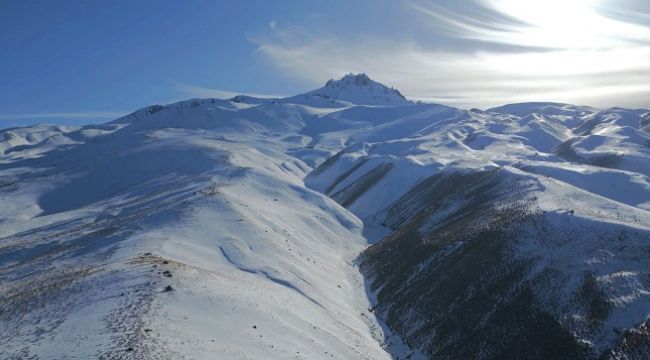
(352, 89)
(261, 266)
(228, 196)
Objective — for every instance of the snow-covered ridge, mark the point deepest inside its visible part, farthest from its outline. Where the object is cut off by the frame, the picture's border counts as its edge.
(253, 212)
(353, 89)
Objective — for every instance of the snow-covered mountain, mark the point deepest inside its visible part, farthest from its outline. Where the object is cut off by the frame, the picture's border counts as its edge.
(236, 229)
(352, 89)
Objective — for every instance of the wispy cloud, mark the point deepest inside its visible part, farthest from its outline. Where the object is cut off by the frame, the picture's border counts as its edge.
(556, 24)
(203, 92)
(61, 118)
(568, 51)
(65, 115)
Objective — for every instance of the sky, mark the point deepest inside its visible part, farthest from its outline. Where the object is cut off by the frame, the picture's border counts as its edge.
(77, 62)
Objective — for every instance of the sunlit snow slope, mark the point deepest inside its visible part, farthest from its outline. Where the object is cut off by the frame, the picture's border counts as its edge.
(218, 229)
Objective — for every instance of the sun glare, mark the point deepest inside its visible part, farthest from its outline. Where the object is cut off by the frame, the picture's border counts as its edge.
(574, 24)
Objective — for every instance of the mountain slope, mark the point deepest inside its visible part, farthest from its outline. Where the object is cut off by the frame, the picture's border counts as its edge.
(234, 227)
(200, 199)
(352, 89)
(500, 246)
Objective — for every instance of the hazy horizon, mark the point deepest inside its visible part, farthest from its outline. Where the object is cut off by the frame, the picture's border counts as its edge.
(74, 62)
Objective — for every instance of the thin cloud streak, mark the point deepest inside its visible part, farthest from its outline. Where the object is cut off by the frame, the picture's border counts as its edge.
(203, 92)
(66, 115)
(614, 73)
(552, 24)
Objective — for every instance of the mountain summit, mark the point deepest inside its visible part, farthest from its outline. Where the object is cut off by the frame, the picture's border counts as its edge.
(357, 89)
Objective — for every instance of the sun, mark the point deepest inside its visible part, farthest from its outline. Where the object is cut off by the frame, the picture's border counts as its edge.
(573, 24)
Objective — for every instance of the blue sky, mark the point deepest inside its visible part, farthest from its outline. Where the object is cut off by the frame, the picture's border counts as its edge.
(90, 61)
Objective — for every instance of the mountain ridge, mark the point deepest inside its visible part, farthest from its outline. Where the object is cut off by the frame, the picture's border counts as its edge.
(233, 226)
(356, 89)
